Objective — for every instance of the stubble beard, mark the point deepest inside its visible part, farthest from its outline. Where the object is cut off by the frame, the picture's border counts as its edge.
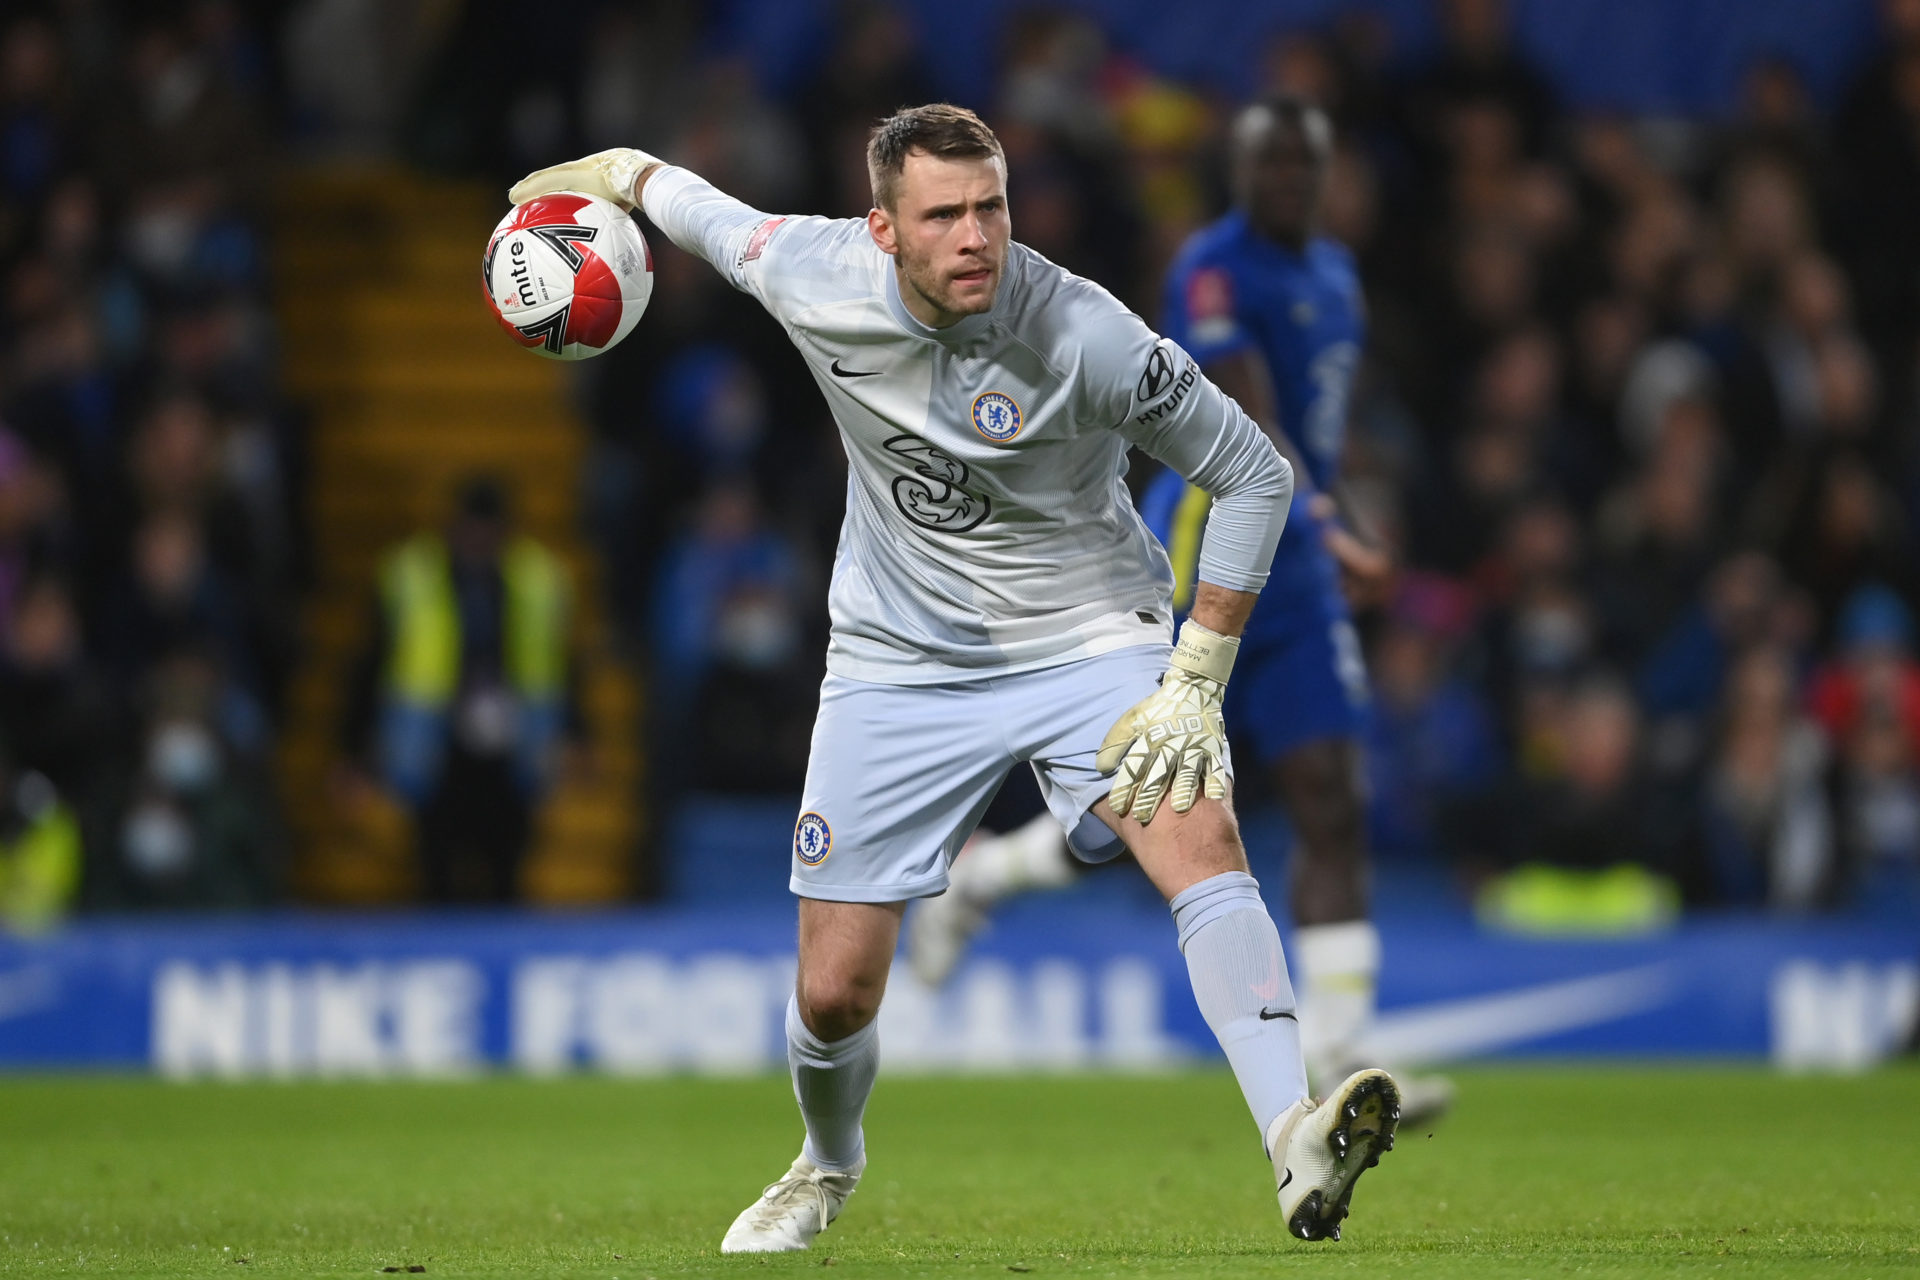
(937, 290)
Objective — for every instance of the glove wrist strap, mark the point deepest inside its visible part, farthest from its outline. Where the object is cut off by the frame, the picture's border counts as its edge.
(1203, 652)
(628, 171)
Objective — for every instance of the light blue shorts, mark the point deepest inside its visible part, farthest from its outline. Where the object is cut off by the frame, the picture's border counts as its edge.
(900, 774)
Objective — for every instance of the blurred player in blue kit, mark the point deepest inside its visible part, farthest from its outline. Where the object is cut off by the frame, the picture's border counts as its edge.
(1274, 314)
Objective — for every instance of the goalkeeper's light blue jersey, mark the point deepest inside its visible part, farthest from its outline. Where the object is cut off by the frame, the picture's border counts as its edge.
(988, 528)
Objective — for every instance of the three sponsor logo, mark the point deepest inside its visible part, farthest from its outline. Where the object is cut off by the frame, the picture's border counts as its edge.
(932, 497)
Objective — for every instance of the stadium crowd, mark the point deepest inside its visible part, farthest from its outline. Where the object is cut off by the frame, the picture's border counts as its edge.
(149, 552)
(1637, 416)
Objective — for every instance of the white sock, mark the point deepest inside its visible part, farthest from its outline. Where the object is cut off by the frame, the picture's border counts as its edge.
(1033, 856)
(1239, 977)
(832, 1082)
(1339, 973)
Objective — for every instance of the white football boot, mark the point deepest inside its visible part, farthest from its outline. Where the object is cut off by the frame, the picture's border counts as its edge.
(791, 1212)
(1320, 1150)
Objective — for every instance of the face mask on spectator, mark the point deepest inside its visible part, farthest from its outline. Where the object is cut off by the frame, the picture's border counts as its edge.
(24, 803)
(1550, 638)
(161, 238)
(183, 757)
(757, 634)
(156, 840)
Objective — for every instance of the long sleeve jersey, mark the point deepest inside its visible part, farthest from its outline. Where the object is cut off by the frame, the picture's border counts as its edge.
(988, 526)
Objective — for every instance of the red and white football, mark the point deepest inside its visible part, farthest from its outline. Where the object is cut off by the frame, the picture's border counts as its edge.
(567, 275)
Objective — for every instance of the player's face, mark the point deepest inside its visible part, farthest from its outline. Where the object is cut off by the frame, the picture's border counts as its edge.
(949, 230)
(1280, 168)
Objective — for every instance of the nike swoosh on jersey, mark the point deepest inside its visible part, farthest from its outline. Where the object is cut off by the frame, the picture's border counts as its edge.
(1268, 1015)
(838, 372)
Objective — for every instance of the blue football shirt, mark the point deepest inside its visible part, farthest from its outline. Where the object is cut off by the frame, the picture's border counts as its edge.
(1231, 290)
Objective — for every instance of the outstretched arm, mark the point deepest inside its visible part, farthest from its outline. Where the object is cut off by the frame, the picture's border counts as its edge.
(695, 215)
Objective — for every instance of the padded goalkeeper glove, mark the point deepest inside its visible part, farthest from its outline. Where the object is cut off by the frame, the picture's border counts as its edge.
(1174, 742)
(607, 174)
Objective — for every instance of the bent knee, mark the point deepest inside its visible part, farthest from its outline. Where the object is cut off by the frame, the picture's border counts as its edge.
(837, 1005)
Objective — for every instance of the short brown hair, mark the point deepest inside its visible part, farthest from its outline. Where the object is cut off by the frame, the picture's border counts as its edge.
(938, 129)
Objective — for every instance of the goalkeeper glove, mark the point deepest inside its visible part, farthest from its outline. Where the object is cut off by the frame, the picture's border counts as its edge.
(607, 174)
(1174, 739)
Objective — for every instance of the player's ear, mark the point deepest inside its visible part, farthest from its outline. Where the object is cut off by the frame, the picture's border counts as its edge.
(880, 227)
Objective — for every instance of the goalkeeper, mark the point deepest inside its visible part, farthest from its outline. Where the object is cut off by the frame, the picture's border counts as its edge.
(995, 601)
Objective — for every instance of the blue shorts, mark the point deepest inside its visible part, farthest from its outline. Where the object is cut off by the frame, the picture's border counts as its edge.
(1302, 681)
(899, 775)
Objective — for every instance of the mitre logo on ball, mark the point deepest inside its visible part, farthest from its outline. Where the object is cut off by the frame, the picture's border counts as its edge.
(567, 275)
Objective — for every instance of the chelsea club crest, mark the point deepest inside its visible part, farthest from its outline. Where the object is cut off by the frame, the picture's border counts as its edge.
(996, 416)
(812, 839)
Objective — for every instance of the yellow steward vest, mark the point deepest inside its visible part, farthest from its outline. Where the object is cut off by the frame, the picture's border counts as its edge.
(416, 586)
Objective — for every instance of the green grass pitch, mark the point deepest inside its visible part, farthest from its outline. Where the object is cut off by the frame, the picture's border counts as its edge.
(1540, 1172)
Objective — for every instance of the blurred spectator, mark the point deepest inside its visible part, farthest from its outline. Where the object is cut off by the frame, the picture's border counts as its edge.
(738, 140)
(1684, 674)
(195, 827)
(1775, 116)
(1868, 700)
(1590, 852)
(179, 119)
(1478, 66)
(1589, 808)
(24, 499)
(1844, 530)
(174, 467)
(873, 69)
(714, 405)
(733, 650)
(1876, 140)
(1768, 831)
(1659, 532)
(40, 857)
(57, 711)
(1536, 629)
(1876, 668)
(464, 694)
(1432, 745)
(38, 131)
(638, 68)
(173, 600)
(351, 66)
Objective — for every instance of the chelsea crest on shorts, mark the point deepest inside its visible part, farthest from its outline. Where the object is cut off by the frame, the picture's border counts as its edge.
(812, 839)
